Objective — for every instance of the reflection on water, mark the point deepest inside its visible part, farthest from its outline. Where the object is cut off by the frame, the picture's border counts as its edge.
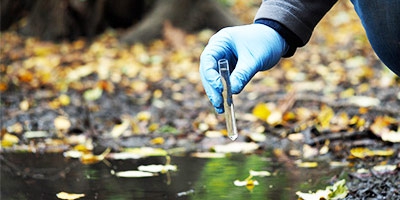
(31, 176)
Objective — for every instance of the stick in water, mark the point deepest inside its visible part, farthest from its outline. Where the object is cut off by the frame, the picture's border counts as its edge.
(228, 102)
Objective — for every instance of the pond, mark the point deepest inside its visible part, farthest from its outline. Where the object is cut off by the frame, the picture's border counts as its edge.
(42, 176)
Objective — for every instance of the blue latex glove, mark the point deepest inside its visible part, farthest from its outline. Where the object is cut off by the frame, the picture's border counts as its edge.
(248, 48)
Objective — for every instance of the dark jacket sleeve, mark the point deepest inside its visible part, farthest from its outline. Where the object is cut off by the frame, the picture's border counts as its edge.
(293, 19)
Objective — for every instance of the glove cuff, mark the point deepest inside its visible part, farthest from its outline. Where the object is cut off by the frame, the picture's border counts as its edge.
(292, 40)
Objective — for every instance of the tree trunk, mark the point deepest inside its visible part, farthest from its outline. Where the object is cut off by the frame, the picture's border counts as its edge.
(187, 15)
(144, 19)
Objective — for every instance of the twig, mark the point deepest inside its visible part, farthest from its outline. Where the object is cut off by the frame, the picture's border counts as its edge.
(336, 136)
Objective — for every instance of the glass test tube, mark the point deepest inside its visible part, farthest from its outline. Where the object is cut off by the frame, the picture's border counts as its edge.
(228, 102)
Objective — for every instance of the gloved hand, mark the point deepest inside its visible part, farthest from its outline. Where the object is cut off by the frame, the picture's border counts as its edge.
(248, 49)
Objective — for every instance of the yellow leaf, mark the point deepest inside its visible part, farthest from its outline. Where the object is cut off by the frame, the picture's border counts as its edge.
(143, 116)
(347, 93)
(9, 140)
(64, 100)
(307, 164)
(361, 152)
(89, 158)
(69, 196)
(153, 127)
(325, 116)
(157, 141)
(261, 111)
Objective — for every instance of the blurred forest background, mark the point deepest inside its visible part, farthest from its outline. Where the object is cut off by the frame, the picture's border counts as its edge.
(101, 76)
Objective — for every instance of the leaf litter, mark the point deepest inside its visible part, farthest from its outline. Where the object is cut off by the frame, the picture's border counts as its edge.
(334, 100)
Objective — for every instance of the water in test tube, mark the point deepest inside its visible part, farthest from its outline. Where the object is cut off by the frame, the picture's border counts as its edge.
(228, 103)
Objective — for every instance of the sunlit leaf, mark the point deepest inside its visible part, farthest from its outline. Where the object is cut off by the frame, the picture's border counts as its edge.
(157, 168)
(384, 168)
(391, 136)
(36, 134)
(257, 137)
(214, 134)
(338, 191)
(62, 123)
(362, 152)
(245, 183)
(133, 174)
(123, 156)
(73, 154)
(364, 101)
(69, 196)
(306, 164)
(208, 155)
(119, 129)
(275, 118)
(260, 173)
(236, 147)
(24, 105)
(147, 151)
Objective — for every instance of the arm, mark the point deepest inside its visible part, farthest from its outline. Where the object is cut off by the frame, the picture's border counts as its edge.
(294, 20)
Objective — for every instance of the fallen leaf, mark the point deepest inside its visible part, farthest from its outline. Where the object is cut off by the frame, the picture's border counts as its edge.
(261, 111)
(9, 140)
(391, 136)
(157, 141)
(119, 129)
(62, 123)
(92, 94)
(364, 101)
(362, 152)
(302, 164)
